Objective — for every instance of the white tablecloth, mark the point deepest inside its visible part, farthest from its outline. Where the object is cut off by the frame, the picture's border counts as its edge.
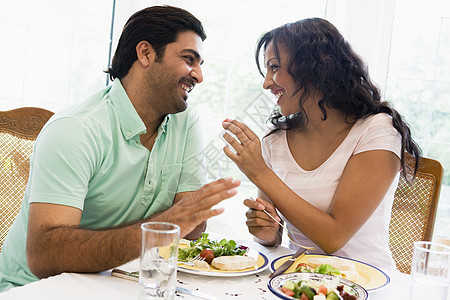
(104, 286)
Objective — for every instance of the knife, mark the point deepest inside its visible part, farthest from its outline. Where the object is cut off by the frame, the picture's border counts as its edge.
(134, 276)
(281, 269)
(195, 293)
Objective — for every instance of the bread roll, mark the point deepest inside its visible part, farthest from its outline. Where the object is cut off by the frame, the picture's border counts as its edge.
(351, 275)
(335, 262)
(232, 263)
(201, 264)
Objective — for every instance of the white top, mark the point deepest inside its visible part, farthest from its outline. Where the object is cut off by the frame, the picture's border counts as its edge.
(370, 244)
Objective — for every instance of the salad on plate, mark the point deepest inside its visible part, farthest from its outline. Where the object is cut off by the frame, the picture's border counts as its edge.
(223, 255)
(322, 290)
(315, 286)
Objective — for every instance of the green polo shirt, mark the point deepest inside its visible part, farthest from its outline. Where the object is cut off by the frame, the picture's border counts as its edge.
(89, 156)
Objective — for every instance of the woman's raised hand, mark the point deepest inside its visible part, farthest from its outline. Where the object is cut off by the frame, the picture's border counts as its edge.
(248, 156)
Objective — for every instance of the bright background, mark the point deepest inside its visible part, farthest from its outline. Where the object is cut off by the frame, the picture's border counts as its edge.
(53, 53)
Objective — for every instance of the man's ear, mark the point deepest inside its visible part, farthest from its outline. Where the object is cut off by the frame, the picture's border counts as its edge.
(145, 53)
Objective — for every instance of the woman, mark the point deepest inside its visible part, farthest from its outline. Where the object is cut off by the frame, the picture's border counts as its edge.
(330, 164)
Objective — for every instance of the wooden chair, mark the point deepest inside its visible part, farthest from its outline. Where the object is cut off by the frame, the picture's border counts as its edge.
(414, 211)
(18, 131)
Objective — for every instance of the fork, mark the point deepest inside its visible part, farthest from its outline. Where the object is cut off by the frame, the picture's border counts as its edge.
(194, 259)
(285, 228)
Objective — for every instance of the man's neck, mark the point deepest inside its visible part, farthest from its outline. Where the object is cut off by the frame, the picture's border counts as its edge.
(140, 98)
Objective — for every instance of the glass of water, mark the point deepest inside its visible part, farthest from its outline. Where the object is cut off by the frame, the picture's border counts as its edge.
(430, 274)
(158, 261)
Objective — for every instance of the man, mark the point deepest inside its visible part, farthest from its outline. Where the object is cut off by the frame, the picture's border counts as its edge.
(126, 155)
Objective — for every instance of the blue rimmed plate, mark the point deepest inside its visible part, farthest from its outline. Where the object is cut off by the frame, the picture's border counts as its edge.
(277, 282)
(370, 277)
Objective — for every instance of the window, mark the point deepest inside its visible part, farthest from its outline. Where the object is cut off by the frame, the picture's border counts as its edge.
(53, 52)
(418, 83)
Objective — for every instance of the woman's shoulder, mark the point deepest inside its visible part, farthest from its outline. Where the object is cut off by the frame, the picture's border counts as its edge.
(377, 122)
(377, 119)
(376, 132)
(271, 136)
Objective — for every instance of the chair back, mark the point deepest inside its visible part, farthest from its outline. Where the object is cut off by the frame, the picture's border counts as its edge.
(18, 131)
(414, 210)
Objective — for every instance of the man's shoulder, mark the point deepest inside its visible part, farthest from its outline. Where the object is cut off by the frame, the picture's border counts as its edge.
(92, 108)
(89, 115)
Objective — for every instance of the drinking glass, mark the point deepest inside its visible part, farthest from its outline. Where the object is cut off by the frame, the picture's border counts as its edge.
(158, 261)
(430, 274)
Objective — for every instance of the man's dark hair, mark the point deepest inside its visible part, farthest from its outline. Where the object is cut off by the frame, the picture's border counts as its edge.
(158, 25)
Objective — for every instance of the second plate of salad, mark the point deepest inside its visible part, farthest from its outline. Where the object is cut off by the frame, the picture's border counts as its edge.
(370, 277)
(293, 285)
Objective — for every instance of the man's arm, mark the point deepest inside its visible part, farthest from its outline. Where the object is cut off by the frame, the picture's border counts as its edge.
(56, 244)
(194, 234)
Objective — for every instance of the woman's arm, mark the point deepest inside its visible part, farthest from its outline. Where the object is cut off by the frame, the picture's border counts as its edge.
(363, 185)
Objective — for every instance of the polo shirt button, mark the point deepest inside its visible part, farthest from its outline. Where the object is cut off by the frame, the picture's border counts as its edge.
(128, 133)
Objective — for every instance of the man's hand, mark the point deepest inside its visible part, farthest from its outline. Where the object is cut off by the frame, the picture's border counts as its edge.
(56, 244)
(195, 208)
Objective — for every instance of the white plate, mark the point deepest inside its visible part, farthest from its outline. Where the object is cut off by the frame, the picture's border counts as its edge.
(261, 264)
(370, 277)
(277, 282)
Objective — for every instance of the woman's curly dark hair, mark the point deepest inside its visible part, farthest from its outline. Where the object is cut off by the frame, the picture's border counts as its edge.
(321, 59)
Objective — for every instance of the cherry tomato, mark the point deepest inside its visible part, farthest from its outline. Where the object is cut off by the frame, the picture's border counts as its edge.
(322, 290)
(287, 291)
(302, 267)
(208, 255)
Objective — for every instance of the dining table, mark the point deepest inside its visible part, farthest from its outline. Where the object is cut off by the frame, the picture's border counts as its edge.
(103, 285)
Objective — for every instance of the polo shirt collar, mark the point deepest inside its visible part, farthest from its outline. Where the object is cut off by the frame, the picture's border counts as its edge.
(130, 122)
(164, 123)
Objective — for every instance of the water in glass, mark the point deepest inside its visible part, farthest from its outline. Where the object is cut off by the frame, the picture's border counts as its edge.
(157, 279)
